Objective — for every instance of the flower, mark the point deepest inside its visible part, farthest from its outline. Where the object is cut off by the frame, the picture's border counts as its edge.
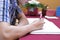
(33, 4)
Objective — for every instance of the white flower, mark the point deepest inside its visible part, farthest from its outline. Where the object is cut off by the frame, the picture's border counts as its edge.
(33, 2)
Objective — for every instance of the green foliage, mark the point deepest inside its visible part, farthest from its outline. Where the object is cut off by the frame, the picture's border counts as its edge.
(34, 5)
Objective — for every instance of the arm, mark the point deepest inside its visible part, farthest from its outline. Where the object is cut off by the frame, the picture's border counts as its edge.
(12, 32)
(22, 2)
(22, 19)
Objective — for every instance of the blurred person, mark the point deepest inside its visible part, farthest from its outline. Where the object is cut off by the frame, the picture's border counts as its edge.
(12, 32)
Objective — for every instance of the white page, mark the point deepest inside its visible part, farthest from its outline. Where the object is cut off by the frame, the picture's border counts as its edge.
(51, 17)
(48, 28)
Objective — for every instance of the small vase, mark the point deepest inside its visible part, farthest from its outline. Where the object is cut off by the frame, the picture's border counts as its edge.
(32, 11)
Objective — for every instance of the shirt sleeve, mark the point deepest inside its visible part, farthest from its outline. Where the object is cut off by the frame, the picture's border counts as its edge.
(4, 11)
(18, 9)
(15, 5)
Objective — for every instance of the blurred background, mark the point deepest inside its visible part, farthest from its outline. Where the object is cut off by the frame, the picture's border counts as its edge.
(52, 4)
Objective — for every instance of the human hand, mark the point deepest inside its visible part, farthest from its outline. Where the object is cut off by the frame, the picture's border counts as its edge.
(38, 24)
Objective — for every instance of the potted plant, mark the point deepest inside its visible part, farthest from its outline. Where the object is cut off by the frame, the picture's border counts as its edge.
(33, 6)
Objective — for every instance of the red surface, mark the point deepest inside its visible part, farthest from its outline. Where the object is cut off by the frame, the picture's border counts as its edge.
(44, 36)
(51, 12)
(41, 37)
(56, 22)
(32, 16)
(34, 13)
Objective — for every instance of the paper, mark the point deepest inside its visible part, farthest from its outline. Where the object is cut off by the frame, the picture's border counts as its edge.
(48, 28)
(51, 17)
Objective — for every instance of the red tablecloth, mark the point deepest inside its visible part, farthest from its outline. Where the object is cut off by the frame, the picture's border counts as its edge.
(41, 37)
(56, 21)
(44, 36)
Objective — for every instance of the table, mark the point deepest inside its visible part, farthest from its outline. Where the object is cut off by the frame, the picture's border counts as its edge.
(56, 21)
(42, 36)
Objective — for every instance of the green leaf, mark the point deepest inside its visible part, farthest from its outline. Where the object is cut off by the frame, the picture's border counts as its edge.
(35, 5)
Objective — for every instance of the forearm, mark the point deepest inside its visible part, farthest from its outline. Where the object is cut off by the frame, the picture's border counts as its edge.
(13, 32)
(22, 19)
(28, 28)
